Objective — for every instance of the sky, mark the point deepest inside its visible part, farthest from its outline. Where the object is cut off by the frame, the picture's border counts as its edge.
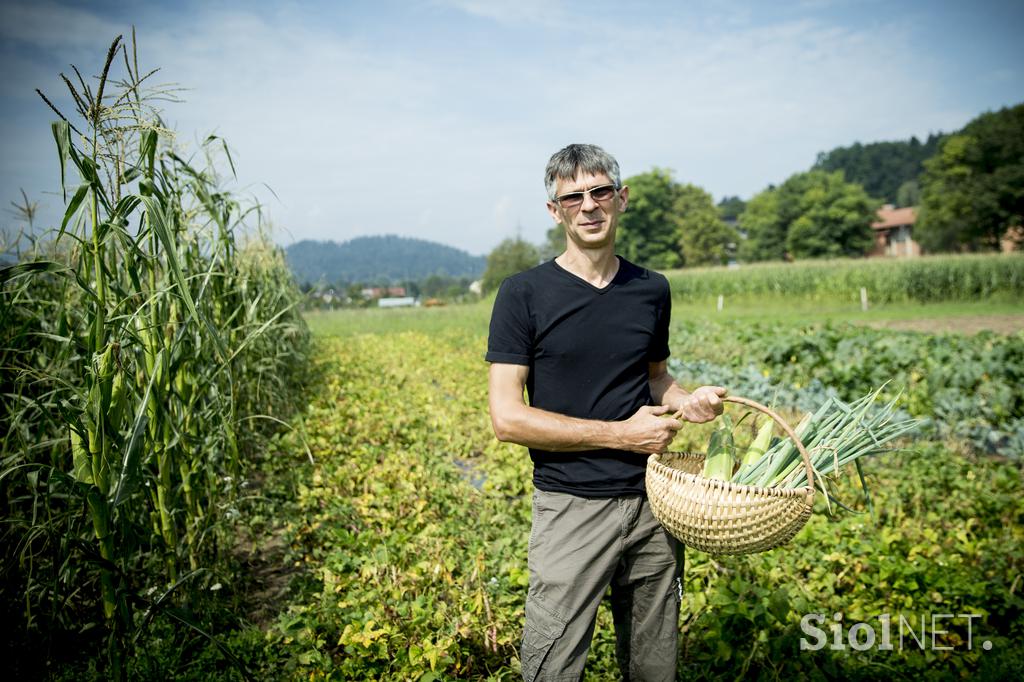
(435, 118)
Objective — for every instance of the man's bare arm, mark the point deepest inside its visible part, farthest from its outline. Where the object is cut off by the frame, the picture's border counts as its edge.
(703, 405)
(516, 422)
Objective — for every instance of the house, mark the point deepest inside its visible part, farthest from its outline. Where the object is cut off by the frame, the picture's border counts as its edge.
(378, 292)
(893, 232)
(1012, 240)
(396, 302)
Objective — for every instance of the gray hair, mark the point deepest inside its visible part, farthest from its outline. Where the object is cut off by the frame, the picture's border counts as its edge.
(567, 163)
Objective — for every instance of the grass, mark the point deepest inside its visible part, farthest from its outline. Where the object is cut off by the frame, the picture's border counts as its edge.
(353, 321)
(348, 322)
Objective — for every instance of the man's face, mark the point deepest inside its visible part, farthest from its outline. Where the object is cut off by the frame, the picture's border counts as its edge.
(591, 224)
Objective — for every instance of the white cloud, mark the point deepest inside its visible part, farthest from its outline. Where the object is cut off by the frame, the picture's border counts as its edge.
(549, 13)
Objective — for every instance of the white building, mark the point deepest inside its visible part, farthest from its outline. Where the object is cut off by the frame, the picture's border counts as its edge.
(396, 302)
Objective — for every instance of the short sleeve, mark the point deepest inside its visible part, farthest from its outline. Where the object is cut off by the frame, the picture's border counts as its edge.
(510, 339)
(659, 344)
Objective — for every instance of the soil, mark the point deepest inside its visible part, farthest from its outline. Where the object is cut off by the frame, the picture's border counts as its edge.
(265, 572)
(968, 324)
(269, 578)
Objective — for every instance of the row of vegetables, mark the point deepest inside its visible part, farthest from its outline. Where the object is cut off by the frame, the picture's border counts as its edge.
(958, 277)
(410, 536)
(961, 387)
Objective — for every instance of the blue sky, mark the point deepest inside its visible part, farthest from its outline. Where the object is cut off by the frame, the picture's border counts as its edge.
(434, 118)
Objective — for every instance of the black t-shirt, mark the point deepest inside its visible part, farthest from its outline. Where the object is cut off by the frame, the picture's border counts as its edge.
(588, 351)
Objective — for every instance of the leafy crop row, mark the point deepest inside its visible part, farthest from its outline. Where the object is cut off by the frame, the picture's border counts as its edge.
(967, 386)
(410, 533)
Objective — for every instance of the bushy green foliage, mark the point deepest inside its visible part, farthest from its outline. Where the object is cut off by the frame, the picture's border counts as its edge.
(670, 224)
(973, 189)
(508, 258)
(811, 215)
(835, 221)
(909, 194)
(762, 224)
(881, 168)
(649, 232)
(730, 208)
(705, 239)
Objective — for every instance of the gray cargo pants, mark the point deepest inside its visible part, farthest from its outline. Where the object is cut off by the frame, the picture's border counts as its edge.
(578, 547)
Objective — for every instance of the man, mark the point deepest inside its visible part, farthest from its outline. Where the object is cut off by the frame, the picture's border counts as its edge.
(587, 335)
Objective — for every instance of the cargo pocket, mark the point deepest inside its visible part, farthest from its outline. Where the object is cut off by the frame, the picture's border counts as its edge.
(543, 628)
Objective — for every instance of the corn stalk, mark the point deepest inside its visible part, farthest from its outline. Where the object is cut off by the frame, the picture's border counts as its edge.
(127, 417)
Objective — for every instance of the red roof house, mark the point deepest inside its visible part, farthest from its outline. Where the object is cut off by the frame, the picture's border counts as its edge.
(893, 232)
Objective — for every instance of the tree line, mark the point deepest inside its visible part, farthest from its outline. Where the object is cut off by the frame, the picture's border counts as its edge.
(886, 170)
(967, 187)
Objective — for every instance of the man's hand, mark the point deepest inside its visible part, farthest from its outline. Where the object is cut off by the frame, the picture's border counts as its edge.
(647, 431)
(703, 405)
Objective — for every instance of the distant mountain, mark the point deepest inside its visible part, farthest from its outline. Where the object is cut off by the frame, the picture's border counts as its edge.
(387, 259)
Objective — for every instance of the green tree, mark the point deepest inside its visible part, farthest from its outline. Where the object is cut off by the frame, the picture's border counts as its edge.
(881, 167)
(649, 232)
(705, 239)
(730, 208)
(973, 189)
(812, 214)
(509, 257)
(554, 243)
(909, 194)
(835, 219)
(768, 218)
(763, 227)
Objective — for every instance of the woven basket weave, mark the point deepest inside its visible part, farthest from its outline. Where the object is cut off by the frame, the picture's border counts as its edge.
(720, 517)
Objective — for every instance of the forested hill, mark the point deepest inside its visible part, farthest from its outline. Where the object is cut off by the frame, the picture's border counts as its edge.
(882, 168)
(379, 260)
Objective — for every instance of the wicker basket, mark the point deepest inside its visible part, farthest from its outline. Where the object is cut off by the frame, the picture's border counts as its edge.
(720, 517)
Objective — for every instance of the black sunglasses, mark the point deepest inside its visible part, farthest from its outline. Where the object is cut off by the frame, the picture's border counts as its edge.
(600, 193)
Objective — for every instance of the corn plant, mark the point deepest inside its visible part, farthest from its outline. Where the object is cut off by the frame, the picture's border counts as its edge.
(144, 352)
(925, 279)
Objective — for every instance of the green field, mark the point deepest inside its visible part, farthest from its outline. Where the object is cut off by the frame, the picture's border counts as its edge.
(944, 535)
(1003, 315)
(427, 495)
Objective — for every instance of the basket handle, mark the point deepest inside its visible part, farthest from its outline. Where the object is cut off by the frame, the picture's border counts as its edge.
(785, 427)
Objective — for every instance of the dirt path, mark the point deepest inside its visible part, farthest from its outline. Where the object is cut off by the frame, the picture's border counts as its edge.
(968, 324)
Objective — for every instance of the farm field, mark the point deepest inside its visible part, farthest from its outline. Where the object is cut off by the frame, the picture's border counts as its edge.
(409, 532)
(380, 531)
(1002, 315)
(200, 482)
